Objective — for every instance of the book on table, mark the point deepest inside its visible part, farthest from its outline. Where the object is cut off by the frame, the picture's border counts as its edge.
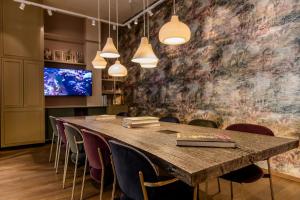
(205, 140)
(136, 122)
(105, 117)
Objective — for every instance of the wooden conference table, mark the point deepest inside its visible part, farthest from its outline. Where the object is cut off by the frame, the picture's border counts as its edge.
(192, 165)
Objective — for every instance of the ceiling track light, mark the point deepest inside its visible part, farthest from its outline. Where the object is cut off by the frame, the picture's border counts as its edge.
(22, 6)
(114, 27)
(135, 21)
(50, 13)
(93, 22)
(150, 13)
(128, 26)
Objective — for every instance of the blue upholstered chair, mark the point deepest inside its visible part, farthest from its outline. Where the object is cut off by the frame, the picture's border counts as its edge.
(169, 119)
(139, 180)
(252, 172)
(123, 114)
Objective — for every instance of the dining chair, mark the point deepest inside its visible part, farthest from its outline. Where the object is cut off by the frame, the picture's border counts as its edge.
(123, 114)
(62, 141)
(203, 123)
(138, 177)
(75, 145)
(251, 173)
(54, 135)
(98, 156)
(169, 119)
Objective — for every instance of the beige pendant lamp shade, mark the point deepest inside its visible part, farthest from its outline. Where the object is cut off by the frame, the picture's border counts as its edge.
(144, 53)
(174, 32)
(109, 50)
(117, 70)
(149, 65)
(99, 62)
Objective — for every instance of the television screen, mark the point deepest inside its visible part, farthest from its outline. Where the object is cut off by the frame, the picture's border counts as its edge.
(67, 82)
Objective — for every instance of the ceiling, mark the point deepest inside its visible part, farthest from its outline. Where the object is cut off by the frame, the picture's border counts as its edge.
(127, 8)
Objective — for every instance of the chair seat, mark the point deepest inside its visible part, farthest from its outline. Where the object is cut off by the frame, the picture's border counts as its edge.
(247, 174)
(174, 191)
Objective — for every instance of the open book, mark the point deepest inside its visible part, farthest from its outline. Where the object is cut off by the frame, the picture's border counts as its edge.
(195, 140)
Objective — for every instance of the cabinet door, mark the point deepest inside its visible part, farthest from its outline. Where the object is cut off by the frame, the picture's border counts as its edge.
(22, 31)
(33, 84)
(22, 127)
(12, 75)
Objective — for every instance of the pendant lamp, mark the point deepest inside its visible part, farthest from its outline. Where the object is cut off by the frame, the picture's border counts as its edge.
(174, 32)
(109, 50)
(117, 69)
(99, 62)
(144, 53)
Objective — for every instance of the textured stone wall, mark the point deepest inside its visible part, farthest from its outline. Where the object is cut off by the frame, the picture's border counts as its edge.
(241, 65)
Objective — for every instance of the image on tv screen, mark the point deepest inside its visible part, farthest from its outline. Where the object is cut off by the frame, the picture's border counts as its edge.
(67, 82)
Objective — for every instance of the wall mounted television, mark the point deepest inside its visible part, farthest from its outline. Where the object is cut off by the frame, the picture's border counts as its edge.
(67, 82)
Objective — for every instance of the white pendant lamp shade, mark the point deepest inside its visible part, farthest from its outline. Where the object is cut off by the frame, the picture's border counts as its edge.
(144, 53)
(174, 32)
(117, 70)
(99, 62)
(109, 50)
(149, 65)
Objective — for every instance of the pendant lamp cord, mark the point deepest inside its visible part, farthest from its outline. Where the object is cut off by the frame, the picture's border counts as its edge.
(174, 9)
(117, 13)
(144, 18)
(148, 22)
(109, 18)
(99, 27)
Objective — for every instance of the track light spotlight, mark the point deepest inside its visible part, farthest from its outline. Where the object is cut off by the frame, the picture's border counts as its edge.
(50, 13)
(22, 6)
(93, 22)
(128, 26)
(135, 21)
(114, 27)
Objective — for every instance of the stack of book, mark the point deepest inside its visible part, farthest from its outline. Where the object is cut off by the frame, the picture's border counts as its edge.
(195, 140)
(139, 122)
(105, 117)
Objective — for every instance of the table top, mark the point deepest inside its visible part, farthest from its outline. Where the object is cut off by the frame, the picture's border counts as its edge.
(190, 164)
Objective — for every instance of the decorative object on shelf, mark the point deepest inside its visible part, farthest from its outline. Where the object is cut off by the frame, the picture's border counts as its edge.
(151, 64)
(99, 62)
(117, 69)
(48, 54)
(58, 55)
(174, 32)
(109, 50)
(144, 53)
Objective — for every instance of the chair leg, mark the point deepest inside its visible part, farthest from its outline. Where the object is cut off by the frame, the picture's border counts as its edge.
(231, 190)
(115, 179)
(75, 172)
(206, 190)
(58, 156)
(56, 152)
(270, 180)
(219, 186)
(51, 148)
(66, 164)
(83, 178)
(102, 173)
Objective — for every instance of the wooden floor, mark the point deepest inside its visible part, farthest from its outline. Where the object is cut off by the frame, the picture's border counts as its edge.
(27, 174)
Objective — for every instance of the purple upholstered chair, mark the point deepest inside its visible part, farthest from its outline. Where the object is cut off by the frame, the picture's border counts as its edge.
(62, 141)
(252, 172)
(98, 154)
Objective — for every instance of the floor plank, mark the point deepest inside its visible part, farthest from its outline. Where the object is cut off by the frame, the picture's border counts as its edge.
(26, 174)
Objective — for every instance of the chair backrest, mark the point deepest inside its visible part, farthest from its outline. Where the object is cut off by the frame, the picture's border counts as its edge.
(61, 130)
(251, 128)
(53, 125)
(73, 135)
(128, 162)
(123, 114)
(169, 119)
(203, 123)
(91, 143)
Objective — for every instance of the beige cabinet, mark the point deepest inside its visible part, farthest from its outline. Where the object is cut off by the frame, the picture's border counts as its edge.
(12, 75)
(22, 31)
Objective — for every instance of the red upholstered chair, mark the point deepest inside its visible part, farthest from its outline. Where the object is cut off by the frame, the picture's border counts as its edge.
(252, 172)
(98, 156)
(62, 141)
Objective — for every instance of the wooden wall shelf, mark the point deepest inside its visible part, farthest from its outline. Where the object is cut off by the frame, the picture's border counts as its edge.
(61, 62)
